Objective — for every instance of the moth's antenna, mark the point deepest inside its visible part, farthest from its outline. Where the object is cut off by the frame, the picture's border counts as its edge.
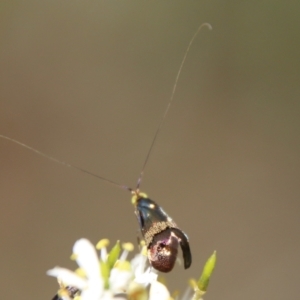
(124, 187)
(170, 102)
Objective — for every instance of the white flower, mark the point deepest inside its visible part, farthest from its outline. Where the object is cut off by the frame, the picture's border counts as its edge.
(158, 291)
(142, 275)
(125, 272)
(120, 277)
(68, 278)
(92, 286)
(111, 276)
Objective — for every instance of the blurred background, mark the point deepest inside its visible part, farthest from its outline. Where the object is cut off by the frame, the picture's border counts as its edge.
(88, 81)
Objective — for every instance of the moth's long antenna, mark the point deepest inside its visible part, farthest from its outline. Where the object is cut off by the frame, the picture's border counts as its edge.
(170, 102)
(124, 187)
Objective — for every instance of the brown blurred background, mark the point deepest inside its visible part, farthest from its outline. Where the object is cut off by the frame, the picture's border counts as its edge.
(87, 82)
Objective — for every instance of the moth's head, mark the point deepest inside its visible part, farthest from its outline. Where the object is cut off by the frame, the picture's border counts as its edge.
(136, 196)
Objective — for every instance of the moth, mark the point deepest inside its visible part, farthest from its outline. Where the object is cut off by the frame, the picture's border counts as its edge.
(161, 234)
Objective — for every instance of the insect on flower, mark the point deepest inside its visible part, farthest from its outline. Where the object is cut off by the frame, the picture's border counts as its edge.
(69, 291)
(162, 236)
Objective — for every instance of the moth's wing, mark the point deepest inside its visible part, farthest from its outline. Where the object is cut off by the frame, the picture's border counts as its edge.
(185, 247)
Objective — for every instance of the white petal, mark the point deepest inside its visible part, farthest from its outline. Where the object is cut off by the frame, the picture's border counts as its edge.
(146, 278)
(87, 259)
(119, 280)
(138, 264)
(68, 277)
(158, 291)
(108, 295)
(89, 295)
